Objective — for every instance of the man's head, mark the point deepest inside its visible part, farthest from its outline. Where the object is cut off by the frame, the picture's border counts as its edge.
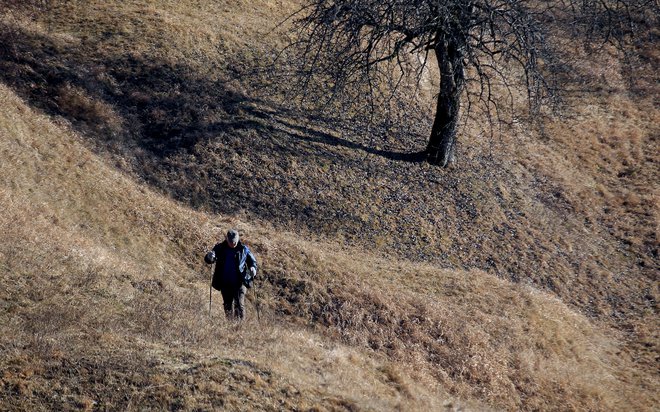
(232, 238)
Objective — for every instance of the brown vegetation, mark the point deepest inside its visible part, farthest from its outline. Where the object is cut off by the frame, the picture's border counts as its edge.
(525, 280)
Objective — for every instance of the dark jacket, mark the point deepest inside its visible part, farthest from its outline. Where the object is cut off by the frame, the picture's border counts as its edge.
(244, 261)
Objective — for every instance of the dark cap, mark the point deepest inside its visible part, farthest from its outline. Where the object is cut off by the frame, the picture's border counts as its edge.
(232, 236)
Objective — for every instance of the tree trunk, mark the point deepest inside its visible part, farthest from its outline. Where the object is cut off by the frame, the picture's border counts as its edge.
(441, 146)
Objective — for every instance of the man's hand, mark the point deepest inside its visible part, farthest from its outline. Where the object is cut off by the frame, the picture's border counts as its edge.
(249, 278)
(210, 257)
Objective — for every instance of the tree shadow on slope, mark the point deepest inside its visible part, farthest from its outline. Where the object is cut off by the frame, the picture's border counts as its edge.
(137, 101)
(197, 136)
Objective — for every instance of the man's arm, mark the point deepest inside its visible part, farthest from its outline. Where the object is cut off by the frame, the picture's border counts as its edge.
(251, 262)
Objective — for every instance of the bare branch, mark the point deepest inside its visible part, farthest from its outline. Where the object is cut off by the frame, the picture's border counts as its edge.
(369, 50)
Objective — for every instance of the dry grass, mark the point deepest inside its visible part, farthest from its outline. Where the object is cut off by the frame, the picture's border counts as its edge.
(98, 284)
(101, 279)
(101, 273)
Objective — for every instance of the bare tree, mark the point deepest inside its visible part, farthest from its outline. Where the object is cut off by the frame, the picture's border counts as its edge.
(349, 45)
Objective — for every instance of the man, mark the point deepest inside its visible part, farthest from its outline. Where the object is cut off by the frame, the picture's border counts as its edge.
(235, 268)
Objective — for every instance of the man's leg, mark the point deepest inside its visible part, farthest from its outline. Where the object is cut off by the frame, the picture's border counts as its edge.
(239, 303)
(227, 299)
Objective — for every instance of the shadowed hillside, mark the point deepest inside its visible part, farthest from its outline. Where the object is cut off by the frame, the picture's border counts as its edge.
(460, 267)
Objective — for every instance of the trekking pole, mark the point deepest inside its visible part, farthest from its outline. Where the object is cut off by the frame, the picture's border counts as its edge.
(210, 289)
(256, 295)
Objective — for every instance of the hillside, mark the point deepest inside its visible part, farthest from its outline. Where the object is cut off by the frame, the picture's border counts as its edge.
(132, 136)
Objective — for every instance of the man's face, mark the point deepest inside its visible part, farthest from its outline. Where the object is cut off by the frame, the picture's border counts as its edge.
(231, 244)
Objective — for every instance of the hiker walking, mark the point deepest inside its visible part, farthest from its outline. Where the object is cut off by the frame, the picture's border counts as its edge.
(235, 269)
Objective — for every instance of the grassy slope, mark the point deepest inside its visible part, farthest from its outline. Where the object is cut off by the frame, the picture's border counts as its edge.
(98, 285)
(479, 337)
(176, 110)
